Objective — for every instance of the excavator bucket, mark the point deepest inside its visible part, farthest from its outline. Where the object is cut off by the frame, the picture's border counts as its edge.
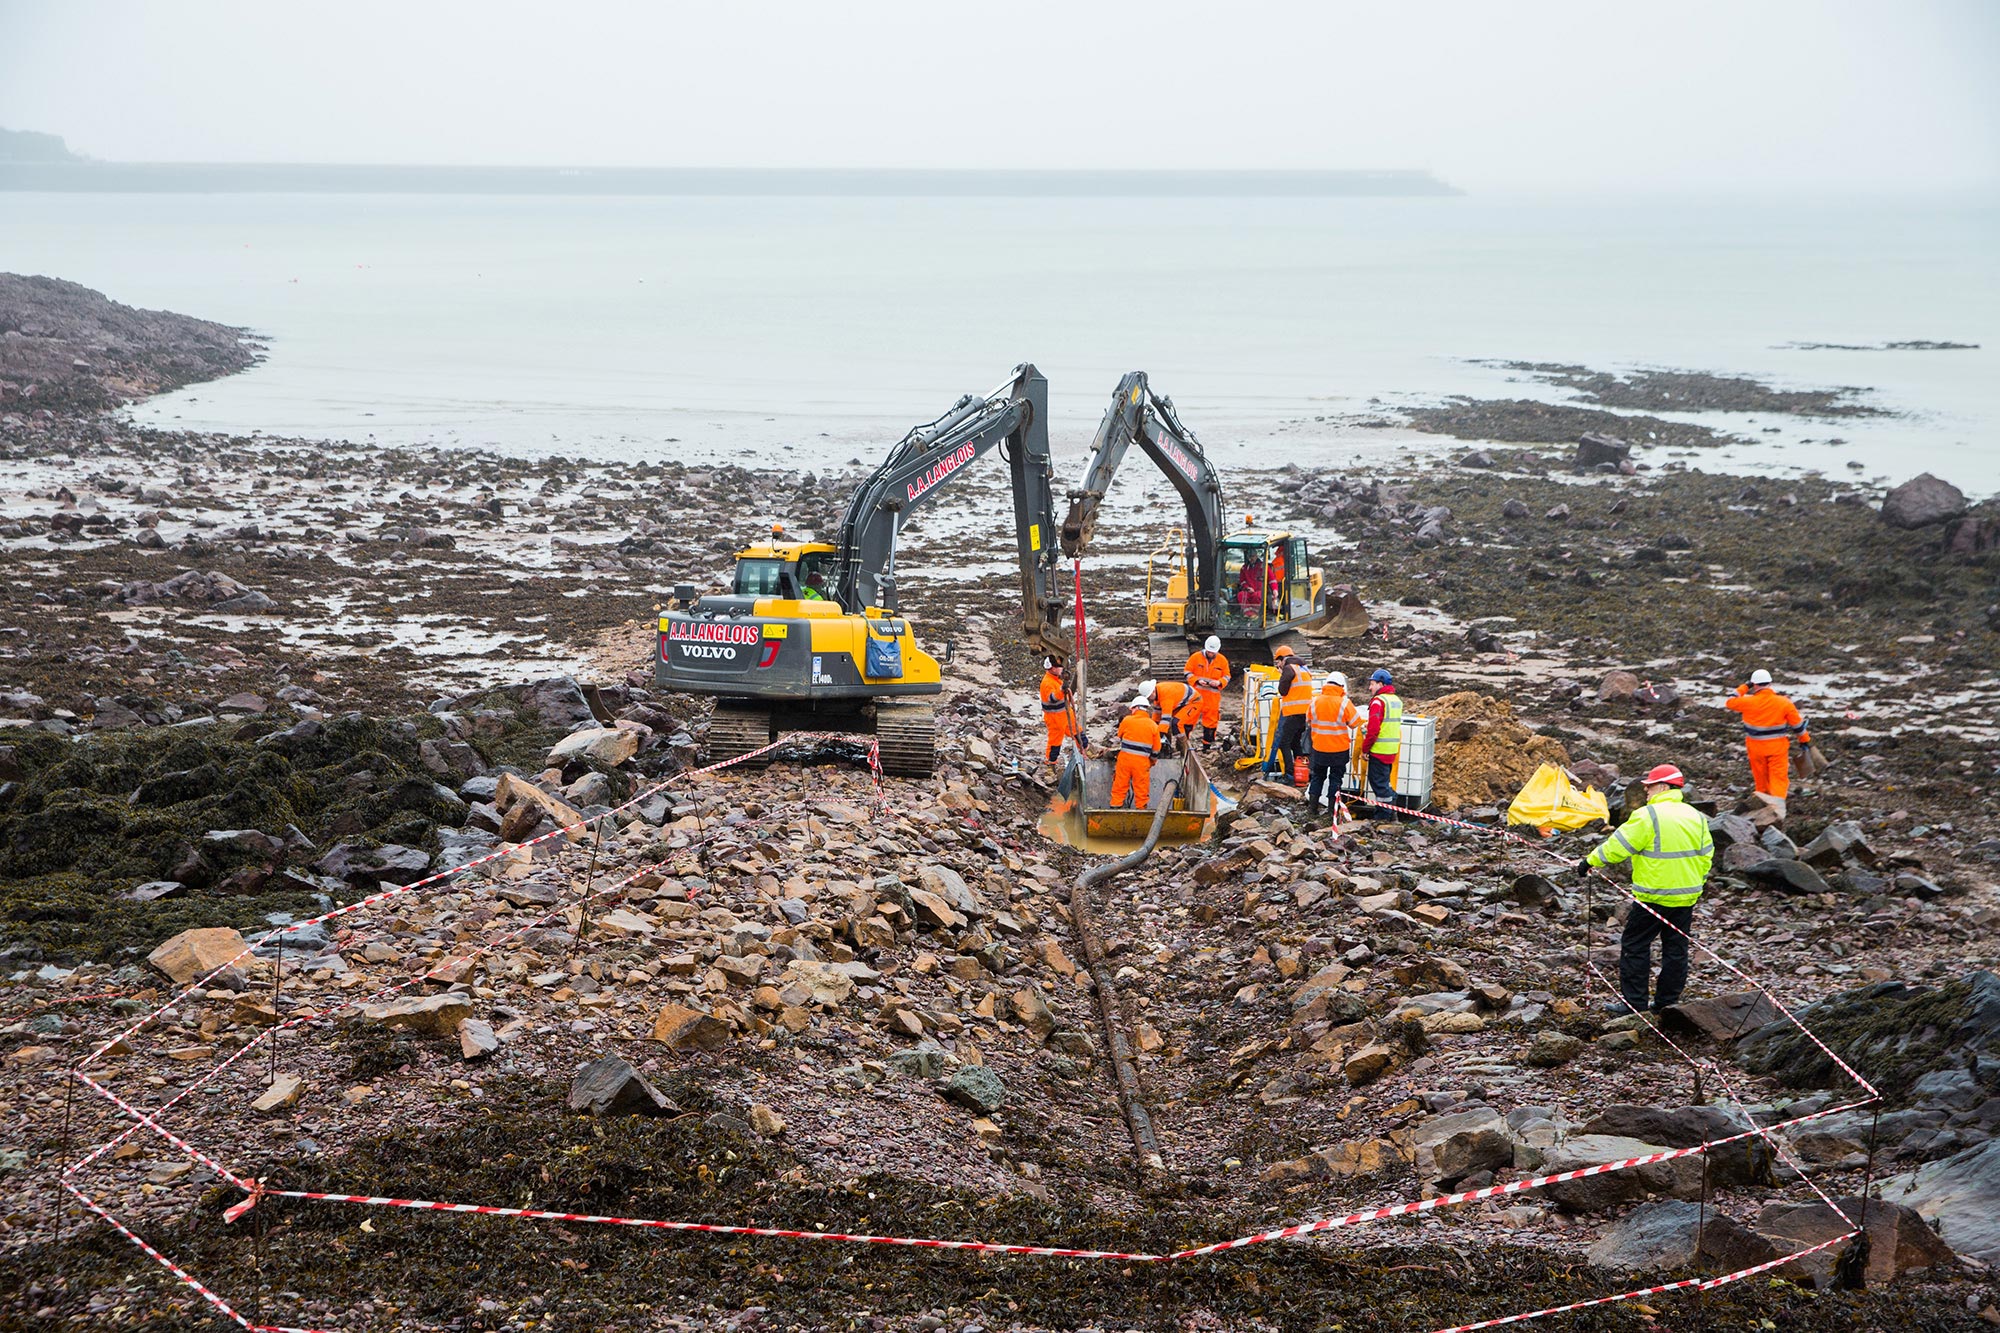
(1346, 617)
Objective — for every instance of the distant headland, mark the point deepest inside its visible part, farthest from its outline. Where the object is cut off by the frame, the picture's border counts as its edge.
(41, 162)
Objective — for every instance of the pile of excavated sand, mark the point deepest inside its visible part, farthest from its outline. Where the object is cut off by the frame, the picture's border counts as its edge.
(1484, 754)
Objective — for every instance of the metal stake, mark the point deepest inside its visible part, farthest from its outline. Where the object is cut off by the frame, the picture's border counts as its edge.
(277, 1022)
(62, 1173)
(589, 881)
(1852, 1267)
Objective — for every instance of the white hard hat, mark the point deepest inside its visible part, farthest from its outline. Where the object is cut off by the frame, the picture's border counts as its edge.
(1336, 678)
(1141, 702)
(1211, 644)
(1760, 677)
(1146, 688)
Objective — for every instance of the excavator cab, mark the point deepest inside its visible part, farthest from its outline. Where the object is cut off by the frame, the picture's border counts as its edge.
(1267, 588)
(790, 571)
(1267, 582)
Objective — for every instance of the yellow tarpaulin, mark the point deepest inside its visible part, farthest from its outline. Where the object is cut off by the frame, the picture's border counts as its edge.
(1551, 800)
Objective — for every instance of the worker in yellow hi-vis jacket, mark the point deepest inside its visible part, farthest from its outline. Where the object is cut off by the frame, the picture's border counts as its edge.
(1671, 850)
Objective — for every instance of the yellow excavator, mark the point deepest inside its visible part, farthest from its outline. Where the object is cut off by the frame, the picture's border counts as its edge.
(810, 635)
(1255, 588)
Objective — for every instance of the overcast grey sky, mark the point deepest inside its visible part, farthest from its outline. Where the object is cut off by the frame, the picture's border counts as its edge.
(1530, 94)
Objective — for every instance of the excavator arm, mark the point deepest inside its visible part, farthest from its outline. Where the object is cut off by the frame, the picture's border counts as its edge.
(1138, 415)
(924, 462)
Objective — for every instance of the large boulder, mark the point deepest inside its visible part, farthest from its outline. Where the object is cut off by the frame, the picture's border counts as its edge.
(1922, 501)
(1898, 1240)
(689, 1029)
(365, 867)
(1680, 1178)
(610, 746)
(1970, 536)
(977, 1088)
(1673, 1235)
(516, 794)
(1893, 1032)
(557, 701)
(1596, 448)
(1453, 1146)
(610, 1086)
(949, 885)
(1720, 1017)
(1840, 843)
(1744, 1162)
(438, 1015)
(1617, 685)
(1961, 1194)
(1786, 876)
(194, 953)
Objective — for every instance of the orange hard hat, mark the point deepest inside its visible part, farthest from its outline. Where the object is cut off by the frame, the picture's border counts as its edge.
(1666, 773)
(1282, 650)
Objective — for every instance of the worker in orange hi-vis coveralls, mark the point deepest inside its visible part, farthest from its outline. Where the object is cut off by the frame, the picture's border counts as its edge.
(1138, 744)
(1057, 717)
(1177, 706)
(1771, 722)
(1208, 673)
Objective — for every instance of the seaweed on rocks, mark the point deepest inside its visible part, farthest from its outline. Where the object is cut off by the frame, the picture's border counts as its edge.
(1893, 1033)
(98, 815)
(429, 1269)
(1526, 421)
(1694, 391)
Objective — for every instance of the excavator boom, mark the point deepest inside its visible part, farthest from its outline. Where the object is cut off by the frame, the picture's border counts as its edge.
(919, 468)
(1138, 416)
(1208, 593)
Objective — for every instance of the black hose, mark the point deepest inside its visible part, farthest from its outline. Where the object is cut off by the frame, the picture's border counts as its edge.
(1146, 1145)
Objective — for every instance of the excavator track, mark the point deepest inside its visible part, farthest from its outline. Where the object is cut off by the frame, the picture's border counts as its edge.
(738, 728)
(1263, 651)
(907, 736)
(1166, 656)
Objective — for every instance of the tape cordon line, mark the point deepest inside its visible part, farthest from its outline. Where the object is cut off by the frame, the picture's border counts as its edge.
(256, 1191)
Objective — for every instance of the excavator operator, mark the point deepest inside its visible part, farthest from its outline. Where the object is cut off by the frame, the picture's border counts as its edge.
(1208, 673)
(815, 589)
(1138, 745)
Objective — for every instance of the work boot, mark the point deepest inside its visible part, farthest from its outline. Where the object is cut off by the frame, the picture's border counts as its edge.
(1618, 1009)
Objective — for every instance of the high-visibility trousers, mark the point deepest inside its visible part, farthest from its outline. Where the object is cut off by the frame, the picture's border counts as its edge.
(1211, 707)
(1770, 764)
(1057, 725)
(1132, 778)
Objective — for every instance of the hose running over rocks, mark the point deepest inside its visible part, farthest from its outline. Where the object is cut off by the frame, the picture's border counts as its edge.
(1146, 1146)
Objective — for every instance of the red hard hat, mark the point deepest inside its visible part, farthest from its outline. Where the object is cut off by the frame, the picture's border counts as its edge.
(1666, 773)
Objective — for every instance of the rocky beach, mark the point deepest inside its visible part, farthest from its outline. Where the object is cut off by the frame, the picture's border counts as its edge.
(248, 680)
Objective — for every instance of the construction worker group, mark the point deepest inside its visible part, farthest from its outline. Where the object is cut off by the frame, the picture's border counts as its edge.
(1319, 731)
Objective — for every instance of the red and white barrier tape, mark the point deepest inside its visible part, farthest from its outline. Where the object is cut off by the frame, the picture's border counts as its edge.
(141, 1119)
(186, 1277)
(1702, 1284)
(254, 1191)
